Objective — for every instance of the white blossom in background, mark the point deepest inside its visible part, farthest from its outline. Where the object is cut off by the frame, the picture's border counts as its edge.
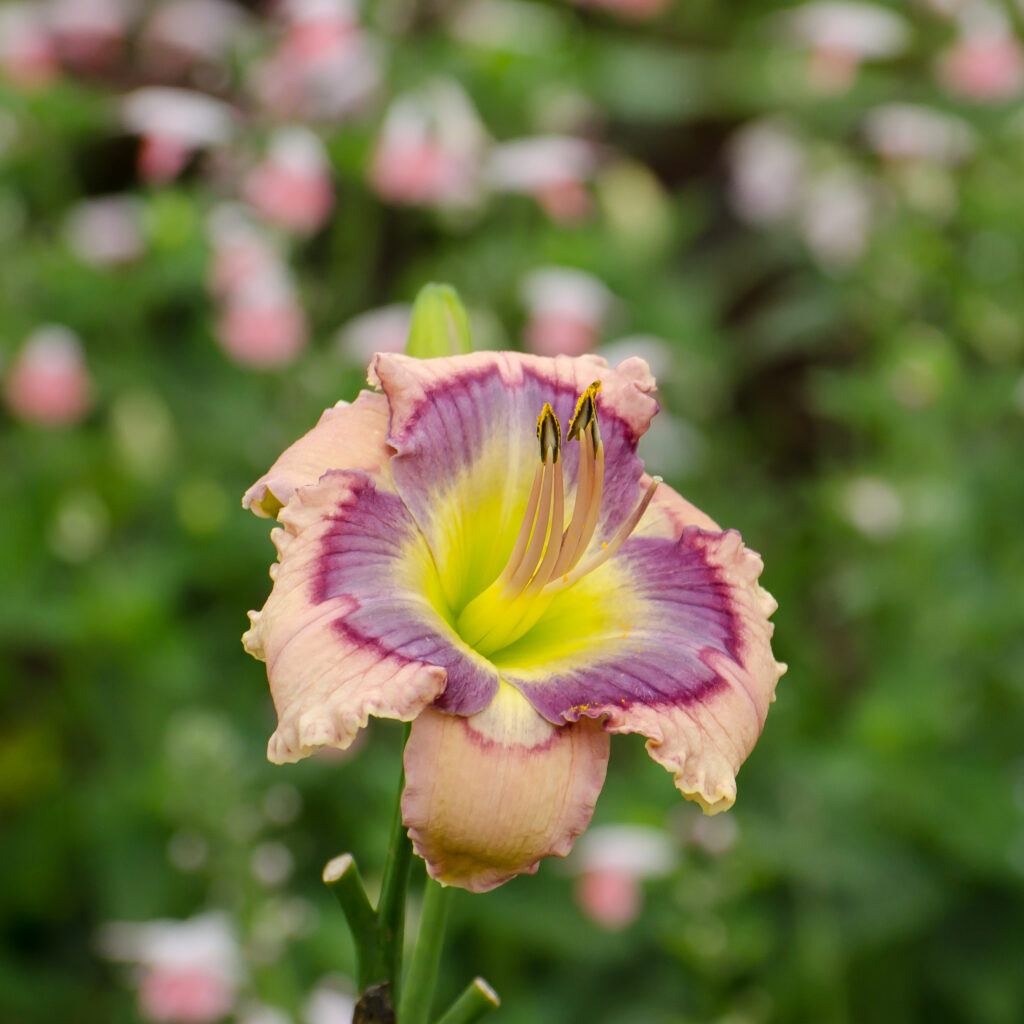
(841, 35)
(836, 217)
(174, 124)
(654, 351)
(28, 57)
(611, 862)
(767, 171)
(271, 863)
(105, 231)
(182, 33)
(909, 131)
(872, 506)
(430, 148)
(553, 169)
(258, 1013)
(329, 1003)
(714, 835)
(379, 330)
(567, 309)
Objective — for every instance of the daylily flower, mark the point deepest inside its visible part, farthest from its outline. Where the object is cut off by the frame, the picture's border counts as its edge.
(450, 555)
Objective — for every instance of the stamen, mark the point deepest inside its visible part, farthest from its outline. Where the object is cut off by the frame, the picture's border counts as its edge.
(610, 547)
(589, 483)
(550, 436)
(553, 550)
(544, 559)
(516, 558)
(571, 540)
(595, 450)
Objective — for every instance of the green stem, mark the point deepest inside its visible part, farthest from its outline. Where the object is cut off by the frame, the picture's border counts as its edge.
(477, 1000)
(391, 907)
(418, 991)
(341, 876)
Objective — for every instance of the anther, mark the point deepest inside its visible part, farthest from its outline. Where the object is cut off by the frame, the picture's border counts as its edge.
(589, 482)
(549, 434)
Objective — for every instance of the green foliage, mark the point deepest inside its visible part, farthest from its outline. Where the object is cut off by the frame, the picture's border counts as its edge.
(856, 414)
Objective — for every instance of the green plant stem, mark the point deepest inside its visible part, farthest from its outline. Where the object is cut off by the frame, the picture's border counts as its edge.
(341, 876)
(391, 906)
(477, 1000)
(418, 989)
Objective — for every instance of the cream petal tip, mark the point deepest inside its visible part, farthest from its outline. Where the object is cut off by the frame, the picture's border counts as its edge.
(252, 639)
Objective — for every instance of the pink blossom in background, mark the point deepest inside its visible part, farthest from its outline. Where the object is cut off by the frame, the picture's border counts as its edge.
(567, 308)
(184, 995)
(262, 325)
(612, 861)
(292, 187)
(841, 35)
(48, 382)
(106, 231)
(241, 251)
(325, 66)
(613, 899)
(986, 68)
(161, 159)
(89, 34)
(184, 33)
(190, 970)
(554, 169)
(27, 55)
(379, 330)
(174, 124)
(429, 149)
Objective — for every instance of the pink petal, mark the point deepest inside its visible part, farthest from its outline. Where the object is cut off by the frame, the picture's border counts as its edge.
(704, 740)
(346, 437)
(349, 554)
(488, 796)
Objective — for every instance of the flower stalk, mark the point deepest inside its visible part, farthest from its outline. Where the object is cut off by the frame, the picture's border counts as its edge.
(418, 991)
(379, 936)
(476, 1001)
(391, 909)
(341, 875)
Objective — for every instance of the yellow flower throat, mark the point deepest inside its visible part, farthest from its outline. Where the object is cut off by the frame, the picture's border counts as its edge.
(547, 556)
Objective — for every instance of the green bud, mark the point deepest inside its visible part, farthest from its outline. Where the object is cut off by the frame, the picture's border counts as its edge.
(440, 326)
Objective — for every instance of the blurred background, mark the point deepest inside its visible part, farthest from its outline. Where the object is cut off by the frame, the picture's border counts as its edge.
(809, 219)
